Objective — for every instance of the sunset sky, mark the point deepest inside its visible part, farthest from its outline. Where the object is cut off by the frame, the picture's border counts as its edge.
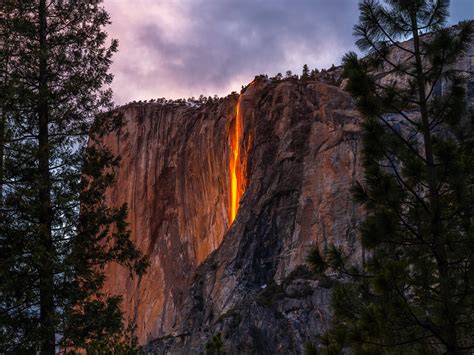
(183, 48)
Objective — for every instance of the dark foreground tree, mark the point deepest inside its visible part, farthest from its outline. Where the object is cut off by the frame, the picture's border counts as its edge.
(415, 290)
(56, 231)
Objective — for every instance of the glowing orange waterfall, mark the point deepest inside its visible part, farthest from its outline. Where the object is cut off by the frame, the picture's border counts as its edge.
(235, 169)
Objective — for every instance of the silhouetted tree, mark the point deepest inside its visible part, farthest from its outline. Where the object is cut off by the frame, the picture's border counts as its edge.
(57, 232)
(415, 290)
(305, 72)
(314, 73)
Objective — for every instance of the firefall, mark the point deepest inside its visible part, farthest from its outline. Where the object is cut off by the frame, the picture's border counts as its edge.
(235, 173)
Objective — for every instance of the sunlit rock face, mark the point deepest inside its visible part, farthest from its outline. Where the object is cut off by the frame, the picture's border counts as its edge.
(174, 176)
(283, 155)
(298, 158)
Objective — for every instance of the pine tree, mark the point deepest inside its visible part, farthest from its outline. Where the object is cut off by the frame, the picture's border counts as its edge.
(215, 345)
(305, 72)
(56, 231)
(314, 73)
(415, 290)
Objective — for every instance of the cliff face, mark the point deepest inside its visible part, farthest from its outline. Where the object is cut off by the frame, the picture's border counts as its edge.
(298, 159)
(286, 153)
(173, 176)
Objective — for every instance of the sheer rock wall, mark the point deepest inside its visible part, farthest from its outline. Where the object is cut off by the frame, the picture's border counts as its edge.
(299, 154)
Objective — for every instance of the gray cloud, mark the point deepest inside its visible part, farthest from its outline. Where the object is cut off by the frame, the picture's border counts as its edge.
(179, 49)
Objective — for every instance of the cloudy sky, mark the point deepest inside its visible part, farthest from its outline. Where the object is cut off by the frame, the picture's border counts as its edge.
(183, 48)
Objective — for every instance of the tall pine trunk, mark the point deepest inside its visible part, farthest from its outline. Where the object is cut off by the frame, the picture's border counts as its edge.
(3, 120)
(448, 330)
(46, 258)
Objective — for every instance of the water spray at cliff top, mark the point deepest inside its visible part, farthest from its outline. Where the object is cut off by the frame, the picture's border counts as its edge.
(235, 176)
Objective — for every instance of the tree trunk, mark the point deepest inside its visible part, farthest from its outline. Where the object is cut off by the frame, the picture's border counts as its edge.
(3, 117)
(448, 328)
(2, 144)
(46, 257)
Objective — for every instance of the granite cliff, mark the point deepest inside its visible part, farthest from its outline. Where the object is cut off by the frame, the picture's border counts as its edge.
(298, 159)
(286, 153)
